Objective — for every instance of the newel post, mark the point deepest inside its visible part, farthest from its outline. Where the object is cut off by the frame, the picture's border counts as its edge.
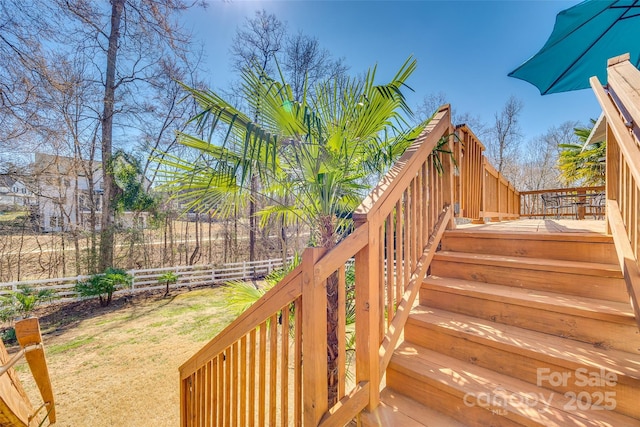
(314, 339)
(367, 265)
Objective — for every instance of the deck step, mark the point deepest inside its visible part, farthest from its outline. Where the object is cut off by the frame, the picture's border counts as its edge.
(529, 356)
(480, 397)
(606, 324)
(398, 410)
(586, 247)
(605, 281)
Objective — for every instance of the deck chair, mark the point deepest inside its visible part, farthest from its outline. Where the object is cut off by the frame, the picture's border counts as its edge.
(551, 202)
(596, 205)
(16, 409)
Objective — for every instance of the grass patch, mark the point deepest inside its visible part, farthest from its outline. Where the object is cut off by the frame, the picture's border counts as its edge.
(12, 216)
(73, 344)
(130, 355)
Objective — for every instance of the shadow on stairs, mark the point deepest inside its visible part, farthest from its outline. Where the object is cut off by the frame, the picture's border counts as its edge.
(517, 329)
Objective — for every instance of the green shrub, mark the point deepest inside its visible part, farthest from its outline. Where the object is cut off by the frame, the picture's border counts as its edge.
(104, 285)
(20, 303)
(169, 278)
(8, 336)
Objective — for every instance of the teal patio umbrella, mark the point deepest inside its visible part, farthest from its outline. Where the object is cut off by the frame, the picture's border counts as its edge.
(582, 40)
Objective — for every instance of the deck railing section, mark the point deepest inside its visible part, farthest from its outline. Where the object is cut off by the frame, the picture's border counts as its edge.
(481, 191)
(621, 106)
(575, 199)
(468, 155)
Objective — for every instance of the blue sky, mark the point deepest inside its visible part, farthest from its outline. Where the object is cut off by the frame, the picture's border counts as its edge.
(464, 48)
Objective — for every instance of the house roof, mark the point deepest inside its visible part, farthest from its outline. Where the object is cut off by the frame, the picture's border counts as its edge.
(6, 181)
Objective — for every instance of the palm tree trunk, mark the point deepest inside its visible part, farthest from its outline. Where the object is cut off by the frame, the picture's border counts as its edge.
(328, 241)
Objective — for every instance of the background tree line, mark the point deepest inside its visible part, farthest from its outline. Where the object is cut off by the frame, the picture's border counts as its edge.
(87, 80)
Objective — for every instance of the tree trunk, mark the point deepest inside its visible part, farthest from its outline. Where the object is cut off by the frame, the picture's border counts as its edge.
(328, 241)
(108, 208)
(252, 218)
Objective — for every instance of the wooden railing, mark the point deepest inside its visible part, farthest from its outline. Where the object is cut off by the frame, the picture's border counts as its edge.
(469, 157)
(619, 102)
(482, 192)
(271, 364)
(532, 206)
(15, 407)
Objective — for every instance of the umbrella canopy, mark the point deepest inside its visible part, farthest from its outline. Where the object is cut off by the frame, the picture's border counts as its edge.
(584, 37)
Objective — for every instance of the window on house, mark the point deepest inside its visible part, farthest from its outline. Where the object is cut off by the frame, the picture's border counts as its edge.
(53, 222)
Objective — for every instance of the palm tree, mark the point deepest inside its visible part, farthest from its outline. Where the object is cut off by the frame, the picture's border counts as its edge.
(583, 164)
(314, 157)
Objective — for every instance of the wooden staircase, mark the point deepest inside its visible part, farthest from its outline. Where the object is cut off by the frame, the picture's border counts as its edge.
(517, 329)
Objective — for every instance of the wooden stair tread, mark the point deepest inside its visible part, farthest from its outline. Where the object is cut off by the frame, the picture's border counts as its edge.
(542, 264)
(586, 307)
(527, 235)
(527, 342)
(461, 379)
(399, 410)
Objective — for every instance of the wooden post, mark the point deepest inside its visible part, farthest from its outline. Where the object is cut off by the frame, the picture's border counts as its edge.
(314, 339)
(368, 313)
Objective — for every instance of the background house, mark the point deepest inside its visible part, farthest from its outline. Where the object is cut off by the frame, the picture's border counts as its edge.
(14, 194)
(68, 191)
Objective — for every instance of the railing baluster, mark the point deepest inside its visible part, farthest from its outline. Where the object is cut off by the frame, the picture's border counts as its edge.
(235, 384)
(221, 390)
(252, 378)
(243, 380)
(228, 395)
(262, 374)
(426, 229)
(381, 278)
(284, 368)
(273, 367)
(390, 268)
(399, 276)
(214, 391)
(407, 238)
(297, 363)
(414, 224)
(342, 345)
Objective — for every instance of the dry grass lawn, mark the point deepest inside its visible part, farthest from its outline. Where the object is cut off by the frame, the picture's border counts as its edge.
(119, 366)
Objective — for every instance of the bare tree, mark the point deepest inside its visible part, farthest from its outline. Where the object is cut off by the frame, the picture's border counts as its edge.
(129, 38)
(258, 42)
(539, 158)
(505, 136)
(432, 101)
(305, 63)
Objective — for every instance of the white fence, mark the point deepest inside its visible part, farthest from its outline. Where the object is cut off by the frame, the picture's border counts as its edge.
(148, 279)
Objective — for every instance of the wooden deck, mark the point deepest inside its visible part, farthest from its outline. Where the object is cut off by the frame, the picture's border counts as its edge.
(540, 226)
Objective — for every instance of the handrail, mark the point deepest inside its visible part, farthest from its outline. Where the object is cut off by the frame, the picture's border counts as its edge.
(619, 105)
(381, 200)
(564, 190)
